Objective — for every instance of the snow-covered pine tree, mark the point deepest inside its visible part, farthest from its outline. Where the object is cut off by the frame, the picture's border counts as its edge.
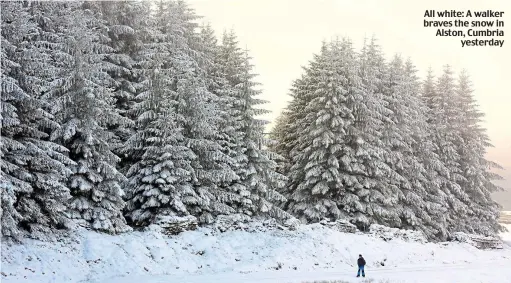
(160, 181)
(218, 171)
(125, 22)
(440, 98)
(12, 96)
(386, 115)
(337, 169)
(84, 105)
(279, 143)
(423, 147)
(439, 193)
(230, 62)
(477, 171)
(364, 158)
(199, 114)
(289, 139)
(314, 174)
(419, 207)
(255, 192)
(34, 170)
(163, 179)
(260, 175)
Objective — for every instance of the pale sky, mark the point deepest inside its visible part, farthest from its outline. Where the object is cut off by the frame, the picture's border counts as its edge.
(282, 36)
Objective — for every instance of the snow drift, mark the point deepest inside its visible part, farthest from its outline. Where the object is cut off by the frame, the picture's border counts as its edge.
(93, 257)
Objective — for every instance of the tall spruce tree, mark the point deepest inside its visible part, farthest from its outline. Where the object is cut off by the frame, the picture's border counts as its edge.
(260, 175)
(440, 99)
(160, 180)
(376, 123)
(230, 58)
(84, 105)
(219, 165)
(125, 24)
(178, 160)
(294, 118)
(338, 150)
(12, 96)
(484, 212)
(315, 175)
(34, 170)
(423, 147)
(279, 143)
(200, 107)
(420, 209)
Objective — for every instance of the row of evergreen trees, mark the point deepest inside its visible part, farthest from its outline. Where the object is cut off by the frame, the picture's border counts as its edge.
(363, 139)
(117, 112)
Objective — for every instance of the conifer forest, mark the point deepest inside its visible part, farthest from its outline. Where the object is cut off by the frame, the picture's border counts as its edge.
(117, 113)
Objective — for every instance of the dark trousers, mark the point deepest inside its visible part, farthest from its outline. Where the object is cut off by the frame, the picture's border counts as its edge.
(361, 269)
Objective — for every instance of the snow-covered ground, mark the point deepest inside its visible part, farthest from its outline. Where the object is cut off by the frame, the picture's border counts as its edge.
(313, 252)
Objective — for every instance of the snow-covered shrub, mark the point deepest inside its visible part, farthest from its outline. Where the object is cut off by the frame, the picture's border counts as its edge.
(387, 234)
(340, 225)
(243, 222)
(292, 224)
(230, 222)
(262, 225)
(173, 225)
(480, 242)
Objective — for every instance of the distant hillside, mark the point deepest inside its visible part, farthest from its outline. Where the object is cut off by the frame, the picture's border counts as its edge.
(505, 217)
(504, 199)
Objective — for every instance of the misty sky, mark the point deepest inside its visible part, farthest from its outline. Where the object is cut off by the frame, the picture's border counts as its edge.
(282, 35)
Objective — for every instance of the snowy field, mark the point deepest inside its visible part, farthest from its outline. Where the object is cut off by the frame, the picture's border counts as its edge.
(313, 252)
